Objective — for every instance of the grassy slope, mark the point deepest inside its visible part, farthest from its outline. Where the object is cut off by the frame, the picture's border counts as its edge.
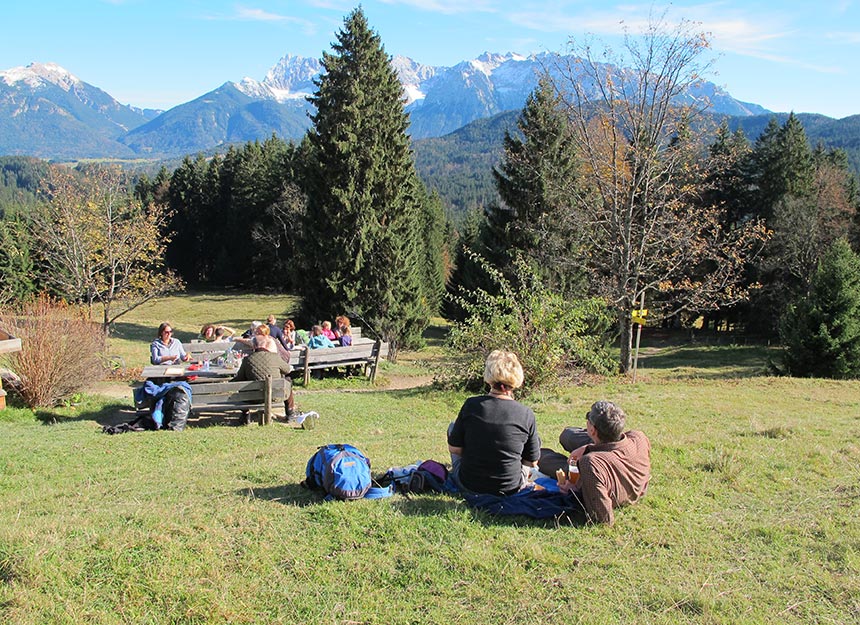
(752, 515)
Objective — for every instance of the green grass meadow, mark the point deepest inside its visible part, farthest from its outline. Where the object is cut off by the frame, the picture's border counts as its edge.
(752, 515)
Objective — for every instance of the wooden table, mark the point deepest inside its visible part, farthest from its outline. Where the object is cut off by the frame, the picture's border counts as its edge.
(180, 371)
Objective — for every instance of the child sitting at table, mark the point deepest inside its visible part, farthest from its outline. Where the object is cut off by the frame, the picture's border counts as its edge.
(319, 339)
(327, 331)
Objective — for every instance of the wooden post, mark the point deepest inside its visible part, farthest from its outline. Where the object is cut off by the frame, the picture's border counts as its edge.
(307, 377)
(638, 336)
(8, 344)
(267, 399)
(377, 350)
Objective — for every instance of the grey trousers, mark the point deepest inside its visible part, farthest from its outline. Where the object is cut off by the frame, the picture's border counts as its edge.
(570, 439)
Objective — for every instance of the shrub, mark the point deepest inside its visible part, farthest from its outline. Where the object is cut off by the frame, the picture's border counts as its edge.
(61, 350)
(551, 335)
(821, 332)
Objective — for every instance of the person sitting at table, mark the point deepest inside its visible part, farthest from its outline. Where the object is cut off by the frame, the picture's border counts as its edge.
(265, 361)
(318, 339)
(344, 330)
(328, 332)
(290, 333)
(249, 333)
(166, 350)
(262, 329)
(275, 331)
(211, 332)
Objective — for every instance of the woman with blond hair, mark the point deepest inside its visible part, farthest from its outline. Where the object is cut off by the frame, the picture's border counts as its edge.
(494, 440)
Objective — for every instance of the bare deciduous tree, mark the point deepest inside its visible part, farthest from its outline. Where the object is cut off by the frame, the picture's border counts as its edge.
(634, 125)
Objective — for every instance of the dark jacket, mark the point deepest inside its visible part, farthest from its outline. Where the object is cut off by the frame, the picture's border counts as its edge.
(260, 364)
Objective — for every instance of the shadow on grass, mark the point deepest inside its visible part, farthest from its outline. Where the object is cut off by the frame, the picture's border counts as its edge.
(287, 494)
(435, 334)
(438, 504)
(115, 413)
(710, 362)
(428, 505)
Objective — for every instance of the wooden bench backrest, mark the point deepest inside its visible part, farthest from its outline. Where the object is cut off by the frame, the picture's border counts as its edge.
(221, 392)
(216, 348)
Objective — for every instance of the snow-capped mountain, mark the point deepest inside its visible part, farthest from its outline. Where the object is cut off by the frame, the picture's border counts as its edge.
(47, 111)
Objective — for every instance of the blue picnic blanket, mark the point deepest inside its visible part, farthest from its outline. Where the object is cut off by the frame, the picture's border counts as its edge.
(537, 504)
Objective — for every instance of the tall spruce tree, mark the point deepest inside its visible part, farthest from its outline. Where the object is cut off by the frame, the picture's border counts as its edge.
(535, 182)
(364, 225)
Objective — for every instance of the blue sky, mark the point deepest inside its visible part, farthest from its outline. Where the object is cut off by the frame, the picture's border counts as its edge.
(782, 54)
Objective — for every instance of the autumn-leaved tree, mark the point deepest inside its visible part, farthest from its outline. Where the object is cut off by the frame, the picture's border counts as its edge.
(644, 227)
(96, 243)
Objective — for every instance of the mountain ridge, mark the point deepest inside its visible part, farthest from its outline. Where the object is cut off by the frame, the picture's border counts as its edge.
(48, 112)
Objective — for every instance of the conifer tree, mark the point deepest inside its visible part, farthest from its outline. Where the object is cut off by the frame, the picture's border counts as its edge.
(821, 333)
(535, 182)
(16, 264)
(364, 226)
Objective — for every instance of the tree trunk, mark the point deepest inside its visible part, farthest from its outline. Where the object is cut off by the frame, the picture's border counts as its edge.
(625, 328)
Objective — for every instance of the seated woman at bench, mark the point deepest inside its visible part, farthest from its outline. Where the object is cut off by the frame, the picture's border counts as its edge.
(260, 330)
(328, 332)
(344, 330)
(166, 350)
(211, 332)
(266, 361)
(290, 333)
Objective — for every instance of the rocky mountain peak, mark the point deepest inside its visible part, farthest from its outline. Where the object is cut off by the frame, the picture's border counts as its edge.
(36, 74)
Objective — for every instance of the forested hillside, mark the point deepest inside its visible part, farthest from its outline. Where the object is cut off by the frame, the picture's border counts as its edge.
(459, 165)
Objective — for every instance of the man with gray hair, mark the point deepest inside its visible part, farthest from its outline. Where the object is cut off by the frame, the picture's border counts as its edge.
(614, 465)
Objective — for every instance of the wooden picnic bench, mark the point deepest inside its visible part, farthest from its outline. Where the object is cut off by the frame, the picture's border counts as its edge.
(266, 396)
(363, 352)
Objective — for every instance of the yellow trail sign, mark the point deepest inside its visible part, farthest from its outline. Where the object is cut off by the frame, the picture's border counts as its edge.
(638, 316)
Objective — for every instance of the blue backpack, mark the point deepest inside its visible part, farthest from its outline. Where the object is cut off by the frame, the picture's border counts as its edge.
(342, 471)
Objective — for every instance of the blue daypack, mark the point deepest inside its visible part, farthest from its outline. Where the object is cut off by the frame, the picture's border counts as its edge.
(342, 471)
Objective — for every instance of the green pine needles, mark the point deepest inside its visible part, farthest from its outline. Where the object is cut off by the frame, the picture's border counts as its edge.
(368, 212)
(821, 332)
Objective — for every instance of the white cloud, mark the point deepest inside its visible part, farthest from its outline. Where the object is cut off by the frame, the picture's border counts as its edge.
(730, 30)
(251, 14)
(448, 7)
(259, 15)
(849, 38)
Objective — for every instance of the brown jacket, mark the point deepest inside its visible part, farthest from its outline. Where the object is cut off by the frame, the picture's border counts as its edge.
(614, 474)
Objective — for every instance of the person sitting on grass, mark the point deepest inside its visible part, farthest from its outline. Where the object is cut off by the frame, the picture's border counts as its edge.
(614, 465)
(494, 440)
(318, 338)
(166, 350)
(265, 361)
